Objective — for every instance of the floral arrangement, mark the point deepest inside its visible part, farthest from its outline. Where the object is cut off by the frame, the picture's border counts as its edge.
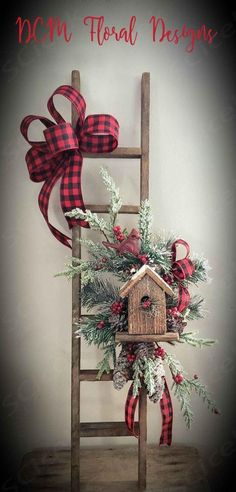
(114, 261)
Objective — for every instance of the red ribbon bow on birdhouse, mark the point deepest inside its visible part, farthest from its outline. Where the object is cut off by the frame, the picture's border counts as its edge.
(181, 270)
(59, 156)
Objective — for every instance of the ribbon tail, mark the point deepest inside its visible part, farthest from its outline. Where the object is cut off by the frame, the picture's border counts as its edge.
(184, 298)
(130, 407)
(43, 200)
(167, 417)
(71, 192)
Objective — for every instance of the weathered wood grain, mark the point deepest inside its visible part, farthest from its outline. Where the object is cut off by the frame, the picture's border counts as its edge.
(126, 337)
(177, 468)
(105, 429)
(142, 442)
(119, 153)
(76, 345)
(104, 209)
(140, 321)
(145, 123)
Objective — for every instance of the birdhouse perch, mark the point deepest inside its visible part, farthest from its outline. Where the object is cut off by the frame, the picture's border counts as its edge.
(146, 292)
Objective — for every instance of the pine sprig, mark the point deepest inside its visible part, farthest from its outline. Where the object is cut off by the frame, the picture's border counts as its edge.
(115, 200)
(96, 223)
(181, 391)
(145, 224)
(100, 292)
(149, 375)
(201, 390)
(194, 309)
(99, 337)
(201, 272)
(96, 250)
(137, 376)
(159, 255)
(79, 267)
(198, 342)
(174, 365)
(104, 365)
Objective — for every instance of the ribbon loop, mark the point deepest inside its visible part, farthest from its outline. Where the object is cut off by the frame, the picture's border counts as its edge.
(59, 156)
(60, 138)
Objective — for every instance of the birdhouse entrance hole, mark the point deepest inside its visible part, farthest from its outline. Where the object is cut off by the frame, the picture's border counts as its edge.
(145, 298)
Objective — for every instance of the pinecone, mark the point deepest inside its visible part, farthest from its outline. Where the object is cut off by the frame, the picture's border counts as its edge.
(122, 370)
(119, 321)
(143, 349)
(174, 325)
(159, 381)
(119, 380)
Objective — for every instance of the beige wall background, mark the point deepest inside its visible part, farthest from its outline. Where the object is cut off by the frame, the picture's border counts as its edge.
(191, 191)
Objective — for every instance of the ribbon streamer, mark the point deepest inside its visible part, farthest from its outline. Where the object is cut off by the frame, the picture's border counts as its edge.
(181, 270)
(166, 412)
(59, 156)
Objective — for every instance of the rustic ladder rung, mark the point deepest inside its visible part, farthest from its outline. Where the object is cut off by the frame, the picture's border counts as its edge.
(105, 429)
(119, 153)
(103, 209)
(91, 375)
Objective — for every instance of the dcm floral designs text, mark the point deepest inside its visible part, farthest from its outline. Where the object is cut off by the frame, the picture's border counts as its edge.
(99, 32)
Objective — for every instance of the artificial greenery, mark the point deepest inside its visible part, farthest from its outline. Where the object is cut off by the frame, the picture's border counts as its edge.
(103, 273)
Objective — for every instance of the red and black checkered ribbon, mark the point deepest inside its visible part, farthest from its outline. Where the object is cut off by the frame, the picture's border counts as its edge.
(166, 412)
(59, 156)
(181, 270)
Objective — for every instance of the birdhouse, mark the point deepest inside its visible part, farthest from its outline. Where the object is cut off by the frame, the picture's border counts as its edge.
(146, 292)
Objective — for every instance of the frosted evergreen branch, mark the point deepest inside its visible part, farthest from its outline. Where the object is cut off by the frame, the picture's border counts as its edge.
(201, 272)
(145, 224)
(159, 255)
(198, 342)
(202, 391)
(183, 396)
(79, 267)
(194, 309)
(149, 375)
(115, 200)
(137, 376)
(174, 365)
(95, 222)
(96, 250)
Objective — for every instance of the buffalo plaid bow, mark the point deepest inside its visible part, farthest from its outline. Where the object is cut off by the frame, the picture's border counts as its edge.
(59, 156)
(166, 412)
(181, 270)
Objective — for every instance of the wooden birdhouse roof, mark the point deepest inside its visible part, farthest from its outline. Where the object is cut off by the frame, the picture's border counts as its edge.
(145, 270)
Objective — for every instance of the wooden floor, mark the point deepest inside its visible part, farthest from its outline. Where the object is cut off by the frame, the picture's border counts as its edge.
(175, 469)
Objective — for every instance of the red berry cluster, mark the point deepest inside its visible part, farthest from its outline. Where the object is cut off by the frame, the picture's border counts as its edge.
(159, 352)
(143, 258)
(101, 325)
(117, 307)
(131, 357)
(146, 304)
(178, 378)
(174, 312)
(118, 233)
(100, 265)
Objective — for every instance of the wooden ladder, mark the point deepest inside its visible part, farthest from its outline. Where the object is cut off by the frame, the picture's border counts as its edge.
(78, 375)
